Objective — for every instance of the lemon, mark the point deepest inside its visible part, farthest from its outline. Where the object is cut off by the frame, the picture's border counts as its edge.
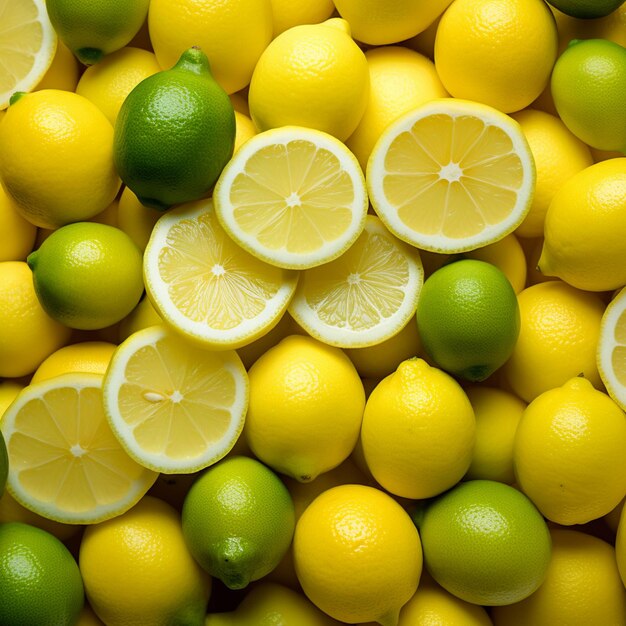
(499, 52)
(17, 235)
(162, 584)
(238, 521)
(142, 316)
(27, 333)
(174, 133)
(485, 542)
(175, 408)
(56, 158)
(205, 286)
(376, 22)
(312, 75)
(582, 245)
(582, 586)
(252, 351)
(65, 463)
(63, 72)
(93, 30)
(588, 86)
(109, 82)
(451, 175)
(343, 537)
(40, 581)
(293, 197)
(135, 219)
(86, 356)
(232, 34)
(306, 406)
(558, 155)
(567, 453)
(87, 275)
(8, 392)
(558, 338)
(400, 80)
(365, 296)
(287, 14)
(244, 129)
(27, 46)
(418, 398)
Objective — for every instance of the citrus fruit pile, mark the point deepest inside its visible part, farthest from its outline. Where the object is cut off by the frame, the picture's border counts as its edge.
(312, 313)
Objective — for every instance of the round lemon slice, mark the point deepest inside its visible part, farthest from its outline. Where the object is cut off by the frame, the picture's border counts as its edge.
(451, 176)
(365, 296)
(294, 197)
(27, 46)
(65, 463)
(176, 408)
(207, 287)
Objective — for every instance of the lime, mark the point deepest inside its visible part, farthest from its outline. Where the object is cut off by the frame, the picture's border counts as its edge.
(174, 133)
(589, 91)
(468, 318)
(95, 28)
(238, 520)
(87, 275)
(40, 582)
(586, 9)
(485, 542)
(4, 464)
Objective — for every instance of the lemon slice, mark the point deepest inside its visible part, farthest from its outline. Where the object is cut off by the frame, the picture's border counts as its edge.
(205, 286)
(451, 176)
(365, 296)
(611, 354)
(27, 46)
(292, 196)
(64, 462)
(176, 408)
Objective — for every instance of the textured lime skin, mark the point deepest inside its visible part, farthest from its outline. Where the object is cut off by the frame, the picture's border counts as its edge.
(586, 9)
(40, 582)
(174, 133)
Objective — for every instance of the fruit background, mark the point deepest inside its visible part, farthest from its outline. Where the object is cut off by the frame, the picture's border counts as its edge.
(312, 312)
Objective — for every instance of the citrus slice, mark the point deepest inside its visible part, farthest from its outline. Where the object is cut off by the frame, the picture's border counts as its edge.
(365, 296)
(176, 408)
(294, 197)
(208, 288)
(611, 354)
(64, 462)
(27, 46)
(451, 176)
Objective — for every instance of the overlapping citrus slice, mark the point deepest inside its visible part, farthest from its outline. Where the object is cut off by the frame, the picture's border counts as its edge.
(451, 176)
(65, 463)
(176, 408)
(611, 355)
(294, 197)
(365, 296)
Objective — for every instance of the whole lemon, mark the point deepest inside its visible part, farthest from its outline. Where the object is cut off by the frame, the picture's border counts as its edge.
(418, 431)
(499, 52)
(311, 75)
(85, 356)
(64, 71)
(17, 234)
(287, 13)
(56, 158)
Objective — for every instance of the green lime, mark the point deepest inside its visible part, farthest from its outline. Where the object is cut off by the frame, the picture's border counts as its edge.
(238, 520)
(589, 90)
(40, 582)
(96, 28)
(485, 542)
(4, 464)
(87, 275)
(174, 133)
(586, 9)
(468, 318)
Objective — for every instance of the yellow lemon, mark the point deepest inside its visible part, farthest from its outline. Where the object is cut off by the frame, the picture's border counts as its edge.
(135, 219)
(582, 237)
(312, 75)
(306, 406)
(63, 73)
(17, 234)
(8, 392)
(252, 351)
(497, 52)
(558, 155)
(56, 158)
(244, 129)
(400, 80)
(558, 339)
(287, 13)
(233, 35)
(142, 316)
(568, 453)
(357, 554)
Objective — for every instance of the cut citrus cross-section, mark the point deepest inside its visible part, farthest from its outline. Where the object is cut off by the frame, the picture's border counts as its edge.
(64, 461)
(294, 197)
(612, 349)
(176, 408)
(451, 176)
